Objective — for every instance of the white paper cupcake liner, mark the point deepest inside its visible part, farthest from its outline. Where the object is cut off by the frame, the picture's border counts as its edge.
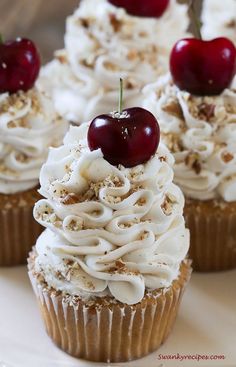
(108, 331)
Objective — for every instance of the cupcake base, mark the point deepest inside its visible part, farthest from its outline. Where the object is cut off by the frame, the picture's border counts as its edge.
(212, 227)
(105, 330)
(18, 228)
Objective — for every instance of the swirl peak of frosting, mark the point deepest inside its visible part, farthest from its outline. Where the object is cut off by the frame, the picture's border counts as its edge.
(201, 133)
(110, 230)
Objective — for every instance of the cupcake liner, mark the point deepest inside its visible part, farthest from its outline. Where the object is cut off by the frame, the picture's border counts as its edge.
(18, 230)
(108, 331)
(213, 234)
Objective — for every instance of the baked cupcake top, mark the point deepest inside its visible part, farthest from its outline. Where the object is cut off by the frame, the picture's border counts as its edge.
(219, 19)
(102, 44)
(201, 133)
(28, 126)
(111, 230)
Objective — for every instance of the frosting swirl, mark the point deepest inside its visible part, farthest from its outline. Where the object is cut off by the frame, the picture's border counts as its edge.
(110, 230)
(28, 126)
(219, 19)
(112, 44)
(201, 133)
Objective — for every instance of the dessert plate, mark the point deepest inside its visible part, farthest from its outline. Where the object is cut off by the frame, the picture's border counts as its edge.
(205, 327)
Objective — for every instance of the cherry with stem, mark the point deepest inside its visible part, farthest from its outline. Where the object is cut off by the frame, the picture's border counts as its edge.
(201, 67)
(128, 137)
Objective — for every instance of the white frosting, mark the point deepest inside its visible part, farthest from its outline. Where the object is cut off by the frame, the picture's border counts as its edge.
(104, 218)
(102, 44)
(205, 166)
(28, 126)
(219, 19)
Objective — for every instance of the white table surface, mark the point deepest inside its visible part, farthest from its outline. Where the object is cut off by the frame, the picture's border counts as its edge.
(206, 324)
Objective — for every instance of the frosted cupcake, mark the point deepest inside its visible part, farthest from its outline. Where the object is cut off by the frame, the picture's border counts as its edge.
(219, 19)
(201, 133)
(28, 126)
(104, 43)
(110, 268)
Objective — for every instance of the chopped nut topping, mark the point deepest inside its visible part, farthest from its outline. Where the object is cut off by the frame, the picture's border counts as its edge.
(162, 159)
(174, 109)
(171, 198)
(61, 56)
(167, 205)
(119, 267)
(84, 22)
(132, 55)
(231, 23)
(116, 23)
(8, 171)
(130, 83)
(227, 157)
(76, 225)
(230, 108)
(14, 101)
(143, 34)
(143, 235)
(193, 160)
(141, 202)
(206, 111)
(93, 192)
(59, 275)
(109, 66)
(129, 224)
(18, 123)
(173, 142)
(23, 158)
(88, 63)
(70, 199)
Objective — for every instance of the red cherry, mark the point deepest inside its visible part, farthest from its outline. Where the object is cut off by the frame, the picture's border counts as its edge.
(203, 67)
(143, 8)
(19, 65)
(130, 138)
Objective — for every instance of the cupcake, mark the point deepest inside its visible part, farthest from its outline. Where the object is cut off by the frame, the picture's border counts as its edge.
(219, 19)
(106, 42)
(110, 269)
(28, 126)
(197, 115)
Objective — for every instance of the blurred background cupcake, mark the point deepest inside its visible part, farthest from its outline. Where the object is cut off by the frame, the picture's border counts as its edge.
(196, 108)
(28, 126)
(105, 42)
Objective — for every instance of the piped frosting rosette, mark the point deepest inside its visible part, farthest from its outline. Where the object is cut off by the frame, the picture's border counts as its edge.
(201, 132)
(102, 44)
(28, 126)
(110, 230)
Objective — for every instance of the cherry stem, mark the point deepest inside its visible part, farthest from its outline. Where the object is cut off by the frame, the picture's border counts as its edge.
(120, 107)
(195, 19)
(1, 38)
